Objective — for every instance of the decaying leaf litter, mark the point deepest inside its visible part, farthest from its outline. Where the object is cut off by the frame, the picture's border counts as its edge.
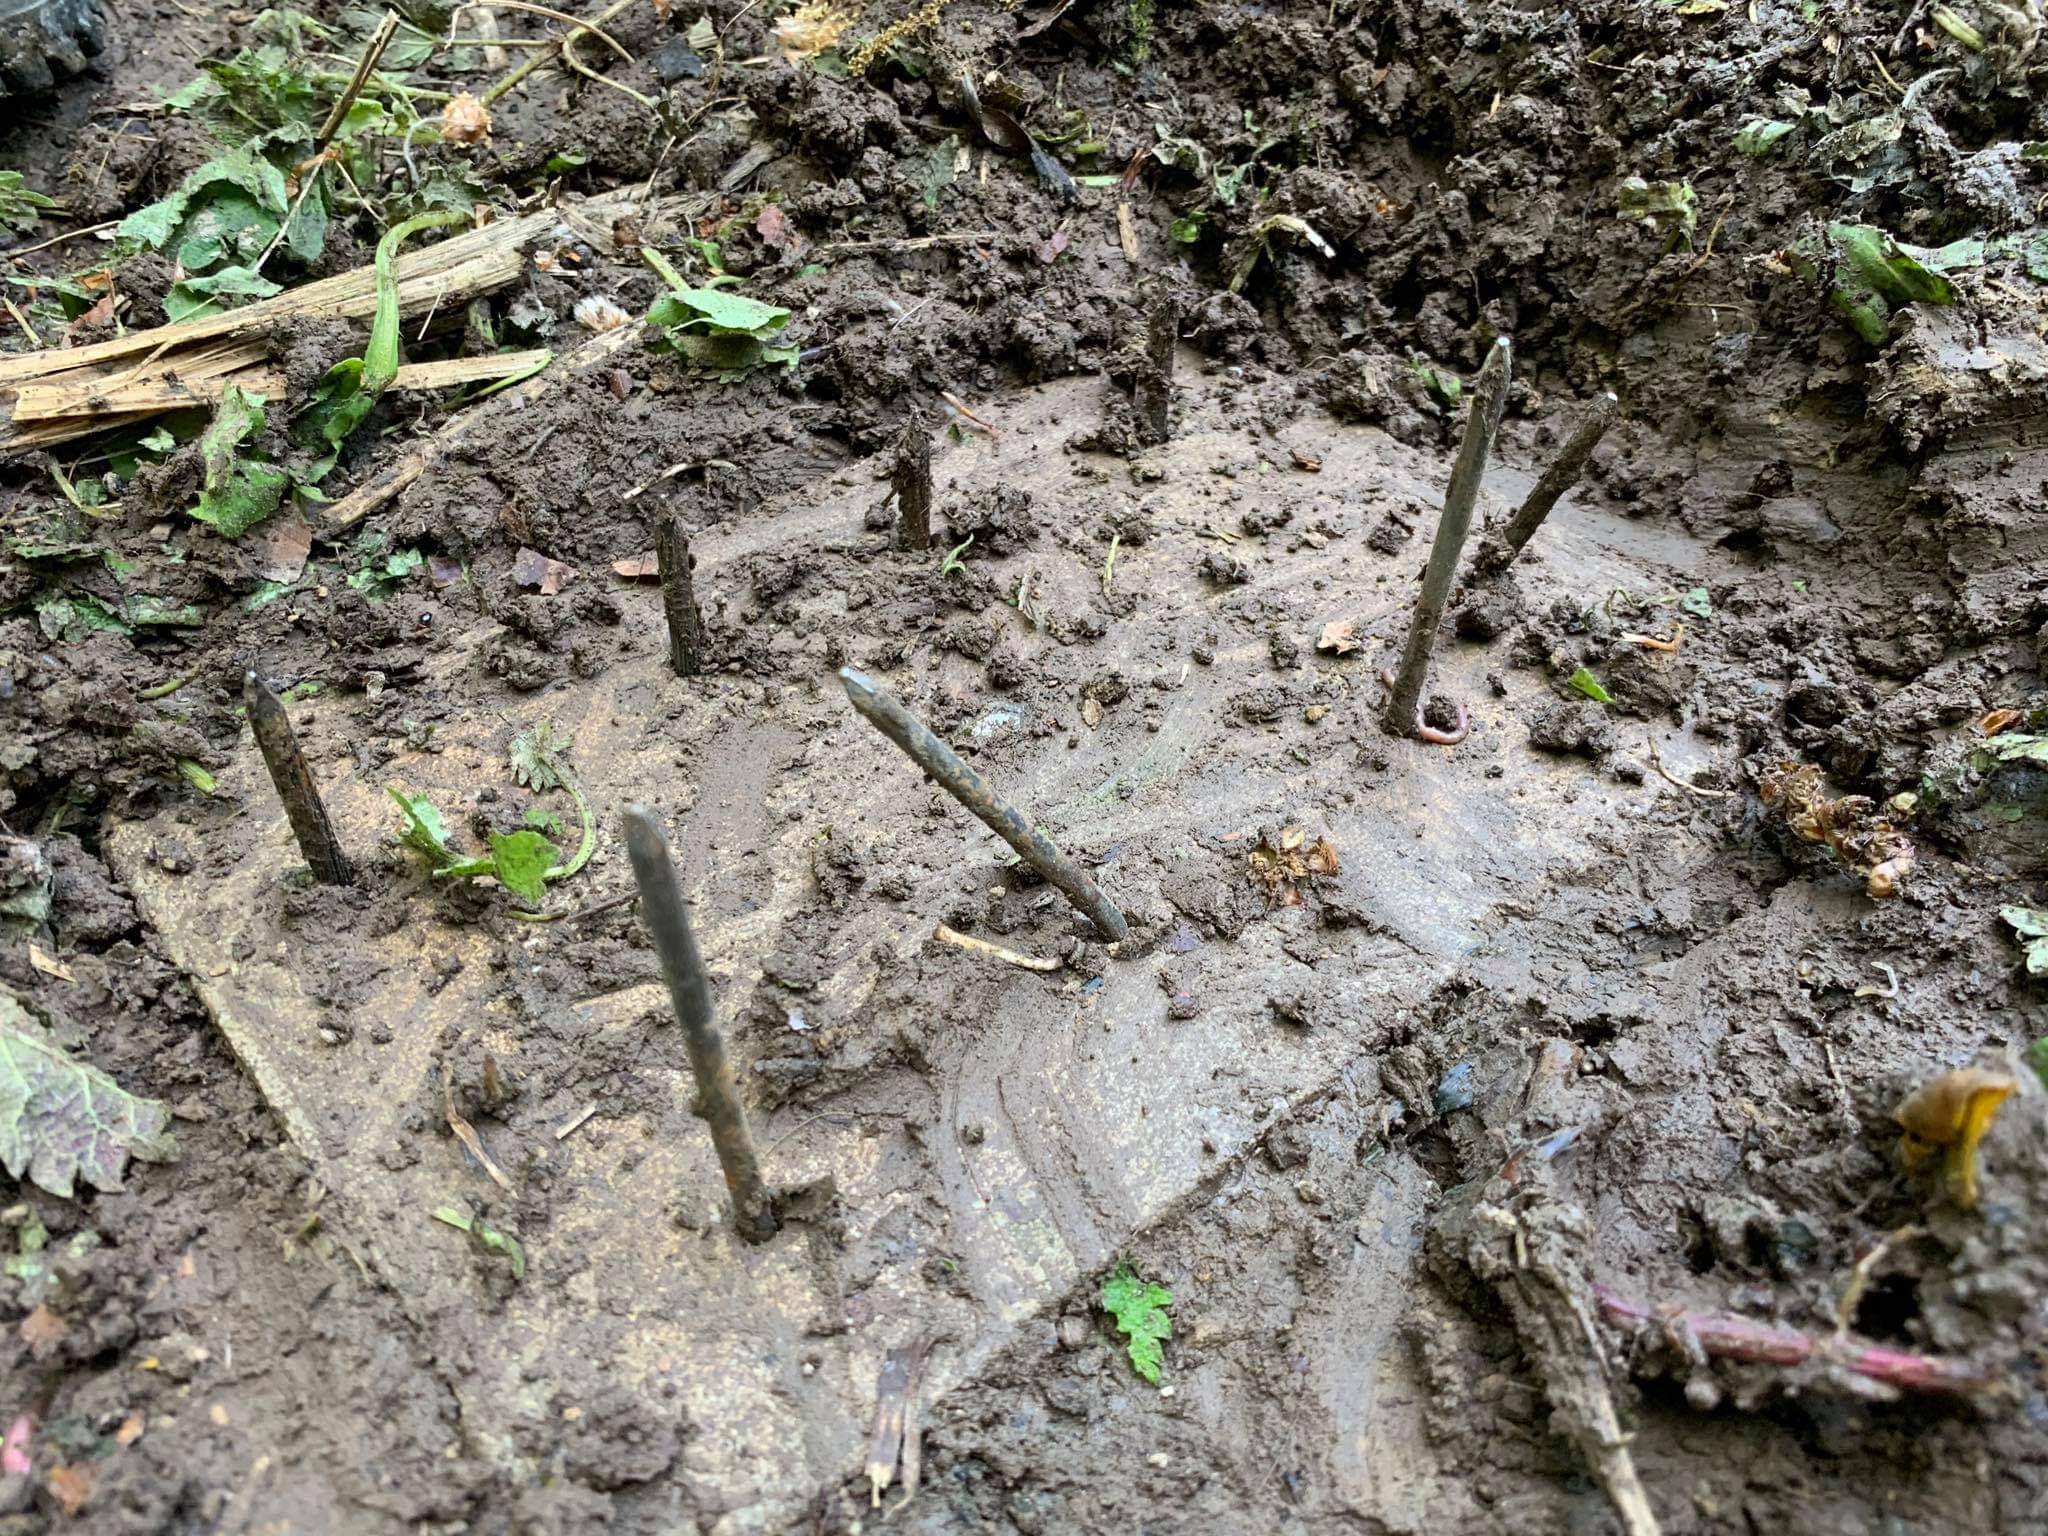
(1581, 1108)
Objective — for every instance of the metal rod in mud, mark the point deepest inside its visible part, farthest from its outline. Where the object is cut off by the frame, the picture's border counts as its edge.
(888, 716)
(689, 989)
(678, 596)
(296, 786)
(913, 487)
(1154, 395)
(1562, 475)
(1489, 399)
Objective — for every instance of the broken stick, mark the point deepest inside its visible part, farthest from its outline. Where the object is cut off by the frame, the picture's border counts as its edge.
(913, 487)
(295, 784)
(678, 594)
(888, 716)
(1562, 475)
(689, 989)
(1489, 400)
(1154, 398)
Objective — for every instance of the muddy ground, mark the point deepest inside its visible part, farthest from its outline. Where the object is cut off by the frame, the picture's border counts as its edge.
(1571, 993)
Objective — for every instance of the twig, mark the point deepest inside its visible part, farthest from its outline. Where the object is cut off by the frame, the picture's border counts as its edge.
(372, 52)
(1725, 1336)
(888, 716)
(296, 786)
(689, 988)
(22, 320)
(536, 59)
(1015, 957)
(1562, 475)
(562, 1131)
(914, 243)
(1657, 763)
(578, 66)
(17, 251)
(1859, 1277)
(1489, 400)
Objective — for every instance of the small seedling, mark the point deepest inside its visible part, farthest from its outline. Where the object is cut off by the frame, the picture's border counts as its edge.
(1583, 681)
(1139, 1307)
(486, 1237)
(953, 561)
(524, 862)
(20, 209)
(724, 333)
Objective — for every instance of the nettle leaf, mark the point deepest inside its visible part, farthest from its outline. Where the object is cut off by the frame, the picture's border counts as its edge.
(425, 833)
(1760, 136)
(237, 492)
(1139, 1307)
(20, 209)
(521, 861)
(62, 1118)
(232, 192)
(2032, 926)
(194, 298)
(1875, 275)
(733, 314)
(2021, 749)
(533, 757)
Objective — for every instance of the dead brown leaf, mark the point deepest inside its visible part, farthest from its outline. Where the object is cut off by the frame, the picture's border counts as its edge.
(42, 1331)
(773, 228)
(1285, 869)
(131, 1428)
(535, 571)
(1127, 233)
(48, 963)
(1851, 826)
(1997, 720)
(1339, 636)
(639, 568)
(71, 1487)
(466, 1134)
(286, 545)
(1305, 461)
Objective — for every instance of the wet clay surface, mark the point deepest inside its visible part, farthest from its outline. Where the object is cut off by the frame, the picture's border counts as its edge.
(1571, 1014)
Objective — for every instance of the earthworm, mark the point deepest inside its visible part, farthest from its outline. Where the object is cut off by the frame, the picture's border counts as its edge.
(1424, 731)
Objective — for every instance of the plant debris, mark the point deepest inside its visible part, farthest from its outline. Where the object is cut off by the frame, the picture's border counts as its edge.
(1282, 869)
(62, 1119)
(1851, 826)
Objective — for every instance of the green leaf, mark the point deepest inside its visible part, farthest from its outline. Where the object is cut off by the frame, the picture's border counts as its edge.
(487, 1237)
(1671, 206)
(1585, 682)
(424, 831)
(236, 492)
(61, 1118)
(212, 190)
(730, 314)
(20, 209)
(1760, 135)
(2031, 922)
(1698, 602)
(197, 776)
(1139, 1307)
(2037, 1058)
(1186, 228)
(194, 298)
(1874, 275)
(2020, 748)
(543, 821)
(521, 861)
(379, 579)
(533, 757)
(69, 617)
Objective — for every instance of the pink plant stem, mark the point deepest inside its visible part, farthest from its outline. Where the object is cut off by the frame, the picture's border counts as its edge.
(1724, 1336)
